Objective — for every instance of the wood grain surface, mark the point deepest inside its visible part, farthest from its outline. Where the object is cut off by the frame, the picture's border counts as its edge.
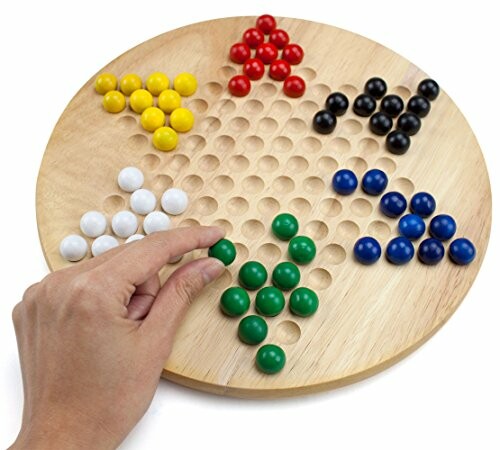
(249, 158)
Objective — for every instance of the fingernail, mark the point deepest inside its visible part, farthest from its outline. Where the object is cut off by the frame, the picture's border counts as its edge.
(212, 270)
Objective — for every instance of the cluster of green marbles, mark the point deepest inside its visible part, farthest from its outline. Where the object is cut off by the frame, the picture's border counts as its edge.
(269, 300)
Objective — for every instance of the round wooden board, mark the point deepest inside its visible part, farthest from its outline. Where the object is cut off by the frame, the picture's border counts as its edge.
(249, 158)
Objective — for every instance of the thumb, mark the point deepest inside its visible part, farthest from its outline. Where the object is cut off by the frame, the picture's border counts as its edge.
(178, 293)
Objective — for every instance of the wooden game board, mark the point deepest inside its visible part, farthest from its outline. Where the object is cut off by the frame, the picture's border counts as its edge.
(249, 158)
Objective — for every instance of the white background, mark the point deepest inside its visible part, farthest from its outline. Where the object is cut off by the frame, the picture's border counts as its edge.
(446, 395)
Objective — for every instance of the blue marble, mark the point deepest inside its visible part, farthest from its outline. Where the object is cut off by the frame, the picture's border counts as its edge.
(367, 250)
(411, 226)
(462, 251)
(442, 227)
(423, 204)
(374, 182)
(393, 204)
(430, 251)
(399, 250)
(344, 182)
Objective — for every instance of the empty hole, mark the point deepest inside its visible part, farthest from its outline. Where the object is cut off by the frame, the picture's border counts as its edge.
(238, 163)
(224, 106)
(208, 163)
(313, 185)
(224, 143)
(333, 254)
(307, 73)
(137, 141)
(222, 183)
(357, 165)
(162, 182)
(268, 206)
(308, 107)
(205, 205)
(210, 124)
(268, 163)
(361, 207)
(339, 145)
(281, 144)
(283, 184)
(189, 223)
(126, 121)
(316, 229)
(197, 105)
(368, 145)
(330, 207)
(319, 279)
(287, 332)
(252, 229)
(266, 90)
(192, 183)
(253, 184)
(239, 124)
(310, 144)
(237, 206)
(178, 162)
(253, 106)
(269, 253)
(227, 72)
(150, 161)
(113, 203)
(348, 229)
(379, 230)
(320, 90)
(195, 142)
(403, 185)
(299, 206)
(281, 108)
(267, 125)
(224, 224)
(253, 143)
(349, 90)
(386, 164)
(402, 91)
(295, 125)
(222, 282)
(327, 164)
(241, 252)
(352, 126)
(212, 88)
(297, 164)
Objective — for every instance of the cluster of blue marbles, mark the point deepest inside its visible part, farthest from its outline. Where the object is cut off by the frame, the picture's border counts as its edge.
(400, 250)
(345, 182)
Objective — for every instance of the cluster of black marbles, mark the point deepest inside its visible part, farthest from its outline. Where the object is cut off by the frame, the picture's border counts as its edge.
(325, 120)
(391, 107)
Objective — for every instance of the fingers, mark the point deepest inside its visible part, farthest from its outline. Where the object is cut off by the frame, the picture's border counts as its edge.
(143, 298)
(138, 262)
(177, 294)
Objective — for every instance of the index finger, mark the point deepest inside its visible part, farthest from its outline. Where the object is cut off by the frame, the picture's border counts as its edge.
(144, 258)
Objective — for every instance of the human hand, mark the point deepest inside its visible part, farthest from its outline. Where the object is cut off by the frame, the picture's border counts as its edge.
(93, 339)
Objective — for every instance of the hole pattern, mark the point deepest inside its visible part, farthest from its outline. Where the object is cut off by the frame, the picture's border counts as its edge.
(212, 89)
(253, 106)
(357, 165)
(351, 126)
(283, 185)
(297, 164)
(267, 125)
(379, 230)
(339, 145)
(281, 144)
(222, 184)
(268, 163)
(253, 144)
(239, 124)
(224, 224)
(299, 206)
(348, 229)
(205, 205)
(238, 163)
(224, 143)
(319, 279)
(330, 207)
(361, 207)
(210, 124)
(192, 183)
(237, 206)
(280, 108)
(138, 141)
(224, 106)
(209, 163)
(333, 254)
(349, 90)
(316, 229)
(126, 122)
(403, 185)
(327, 164)
(314, 185)
(162, 182)
(150, 161)
(198, 105)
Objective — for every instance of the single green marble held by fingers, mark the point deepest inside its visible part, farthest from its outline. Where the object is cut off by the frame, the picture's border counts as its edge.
(234, 301)
(303, 302)
(252, 330)
(252, 275)
(270, 359)
(302, 249)
(286, 276)
(224, 251)
(269, 301)
(285, 226)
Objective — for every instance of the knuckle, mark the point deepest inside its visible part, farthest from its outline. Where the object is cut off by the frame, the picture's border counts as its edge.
(17, 313)
(187, 288)
(31, 292)
(84, 284)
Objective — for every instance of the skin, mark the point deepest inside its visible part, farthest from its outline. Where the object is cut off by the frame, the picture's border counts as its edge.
(93, 339)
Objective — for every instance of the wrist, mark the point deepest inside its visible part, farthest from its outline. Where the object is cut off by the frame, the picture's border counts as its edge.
(71, 433)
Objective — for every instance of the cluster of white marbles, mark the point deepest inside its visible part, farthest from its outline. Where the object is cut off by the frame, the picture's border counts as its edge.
(125, 224)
